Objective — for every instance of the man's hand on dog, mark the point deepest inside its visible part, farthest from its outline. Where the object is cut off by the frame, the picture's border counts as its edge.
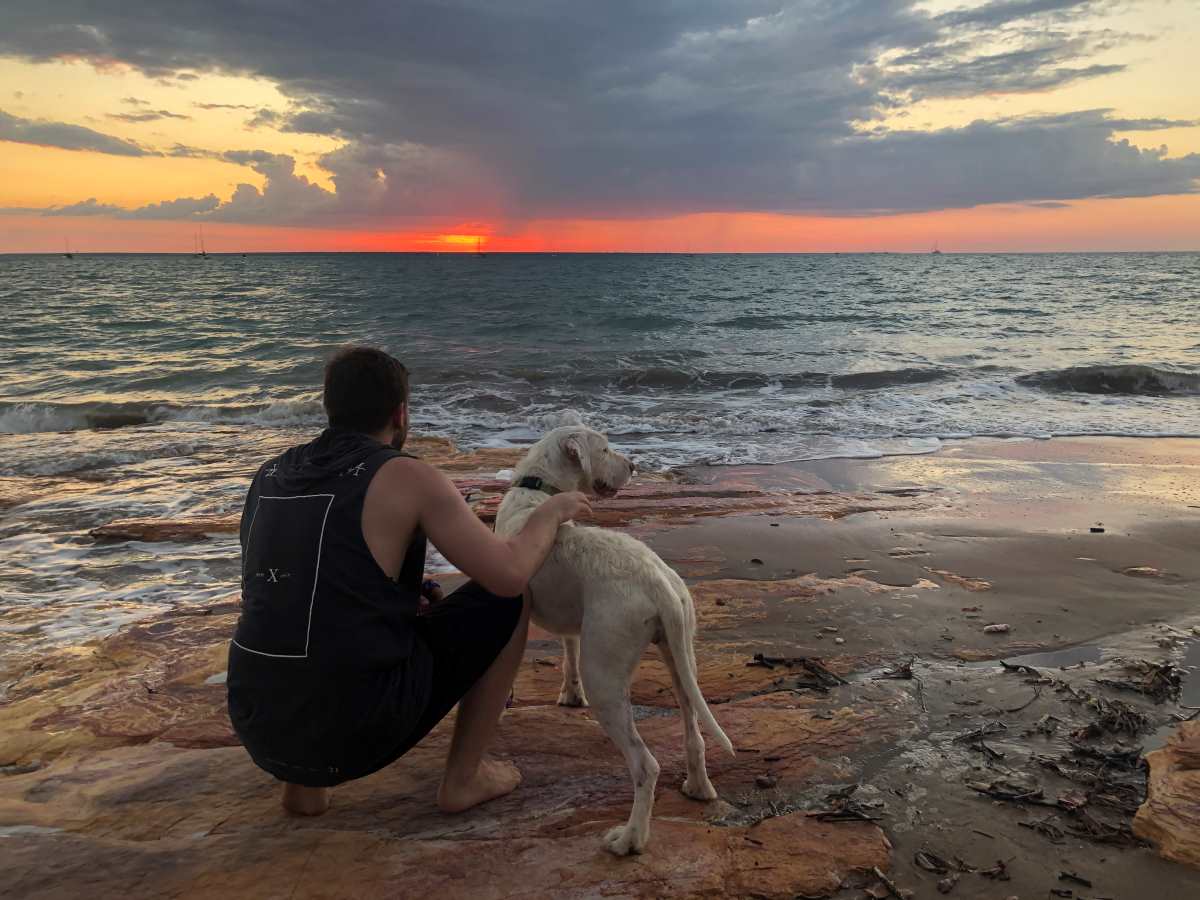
(571, 505)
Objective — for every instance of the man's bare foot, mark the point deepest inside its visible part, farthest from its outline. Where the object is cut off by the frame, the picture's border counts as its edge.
(305, 801)
(494, 778)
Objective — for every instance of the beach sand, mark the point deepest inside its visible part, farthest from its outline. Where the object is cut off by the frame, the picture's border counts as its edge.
(121, 775)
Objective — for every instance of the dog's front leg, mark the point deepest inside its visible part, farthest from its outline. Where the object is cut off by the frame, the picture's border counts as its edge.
(572, 688)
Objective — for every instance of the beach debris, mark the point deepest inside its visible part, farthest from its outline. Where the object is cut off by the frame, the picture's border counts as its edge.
(946, 885)
(766, 781)
(902, 672)
(998, 872)
(1114, 778)
(1037, 692)
(997, 628)
(1159, 681)
(756, 561)
(1061, 892)
(1113, 716)
(1118, 756)
(844, 808)
(1097, 528)
(931, 862)
(889, 886)
(1083, 824)
(1072, 800)
(1021, 669)
(1046, 725)
(830, 629)
(823, 677)
(839, 640)
(1011, 792)
(1047, 828)
(1074, 878)
(975, 739)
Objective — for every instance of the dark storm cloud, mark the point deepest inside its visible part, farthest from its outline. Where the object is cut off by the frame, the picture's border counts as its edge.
(1052, 158)
(64, 136)
(538, 108)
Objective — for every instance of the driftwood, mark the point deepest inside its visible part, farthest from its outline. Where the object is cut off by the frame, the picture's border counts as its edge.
(823, 677)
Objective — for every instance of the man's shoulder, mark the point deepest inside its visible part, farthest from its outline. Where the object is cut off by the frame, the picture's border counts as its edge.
(405, 469)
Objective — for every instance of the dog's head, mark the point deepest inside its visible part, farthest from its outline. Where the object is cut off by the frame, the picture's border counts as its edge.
(576, 458)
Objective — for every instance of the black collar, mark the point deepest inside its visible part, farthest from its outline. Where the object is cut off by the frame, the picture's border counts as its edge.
(534, 483)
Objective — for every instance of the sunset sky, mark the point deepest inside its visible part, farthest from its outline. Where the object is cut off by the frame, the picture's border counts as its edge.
(698, 125)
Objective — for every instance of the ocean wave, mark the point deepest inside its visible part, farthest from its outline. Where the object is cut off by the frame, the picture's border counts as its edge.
(29, 418)
(689, 378)
(1115, 379)
(751, 322)
(890, 378)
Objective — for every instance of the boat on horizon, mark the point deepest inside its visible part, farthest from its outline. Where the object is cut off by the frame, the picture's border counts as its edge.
(67, 249)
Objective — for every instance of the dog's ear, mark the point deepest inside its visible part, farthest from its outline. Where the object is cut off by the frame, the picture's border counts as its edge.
(575, 448)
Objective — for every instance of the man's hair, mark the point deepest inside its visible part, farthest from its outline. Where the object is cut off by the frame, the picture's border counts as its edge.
(363, 387)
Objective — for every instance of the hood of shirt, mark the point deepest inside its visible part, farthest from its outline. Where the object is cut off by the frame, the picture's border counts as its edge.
(335, 451)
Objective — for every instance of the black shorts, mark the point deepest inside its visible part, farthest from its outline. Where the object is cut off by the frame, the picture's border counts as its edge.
(321, 729)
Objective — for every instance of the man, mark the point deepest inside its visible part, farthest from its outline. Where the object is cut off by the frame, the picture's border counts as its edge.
(333, 673)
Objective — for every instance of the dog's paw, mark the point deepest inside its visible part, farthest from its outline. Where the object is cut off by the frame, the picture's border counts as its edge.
(699, 789)
(572, 697)
(624, 840)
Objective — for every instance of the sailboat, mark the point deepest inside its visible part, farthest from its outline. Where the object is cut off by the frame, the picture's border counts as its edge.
(478, 247)
(199, 242)
(935, 251)
(67, 249)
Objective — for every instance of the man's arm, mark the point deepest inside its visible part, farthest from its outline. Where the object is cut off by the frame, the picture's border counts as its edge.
(502, 565)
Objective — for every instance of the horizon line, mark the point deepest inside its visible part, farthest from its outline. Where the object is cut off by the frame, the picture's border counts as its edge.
(472, 253)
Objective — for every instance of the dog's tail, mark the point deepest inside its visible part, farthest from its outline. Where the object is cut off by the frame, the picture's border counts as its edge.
(678, 617)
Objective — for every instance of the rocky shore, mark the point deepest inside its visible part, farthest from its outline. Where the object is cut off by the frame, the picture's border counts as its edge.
(849, 645)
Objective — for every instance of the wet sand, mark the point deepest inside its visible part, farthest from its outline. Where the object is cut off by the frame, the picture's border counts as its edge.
(1004, 535)
(867, 565)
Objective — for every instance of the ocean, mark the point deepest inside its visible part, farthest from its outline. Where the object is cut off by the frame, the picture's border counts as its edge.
(153, 385)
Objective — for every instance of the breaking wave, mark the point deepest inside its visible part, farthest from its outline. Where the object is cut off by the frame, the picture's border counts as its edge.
(28, 418)
(1118, 379)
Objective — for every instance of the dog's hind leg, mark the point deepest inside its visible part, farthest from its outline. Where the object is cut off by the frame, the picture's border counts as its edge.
(609, 658)
(696, 785)
(572, 688)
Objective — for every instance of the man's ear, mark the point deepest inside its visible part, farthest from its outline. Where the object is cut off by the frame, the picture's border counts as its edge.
(400, 417)
(574, 447)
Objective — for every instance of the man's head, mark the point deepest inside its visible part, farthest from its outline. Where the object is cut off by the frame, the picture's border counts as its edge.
(367, 390)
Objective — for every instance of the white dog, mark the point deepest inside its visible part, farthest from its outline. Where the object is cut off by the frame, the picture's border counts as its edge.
(609, 595)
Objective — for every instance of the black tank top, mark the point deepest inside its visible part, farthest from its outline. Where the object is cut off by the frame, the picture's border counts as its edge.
(312, 593)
